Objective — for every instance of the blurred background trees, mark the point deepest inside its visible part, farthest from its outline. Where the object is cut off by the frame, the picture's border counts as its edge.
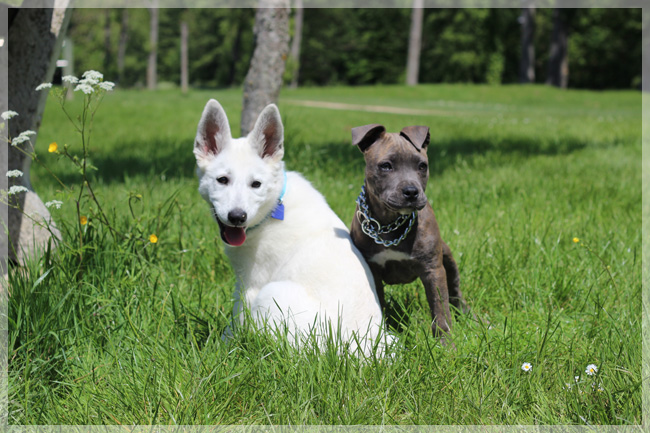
(368, 46)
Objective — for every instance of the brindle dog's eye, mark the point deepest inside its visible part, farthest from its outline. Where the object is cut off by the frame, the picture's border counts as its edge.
(256, 184)
(423, 166)
(223, 180)
(385, 166)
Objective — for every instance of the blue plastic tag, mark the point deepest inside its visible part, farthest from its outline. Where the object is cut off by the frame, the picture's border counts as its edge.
(278, 212)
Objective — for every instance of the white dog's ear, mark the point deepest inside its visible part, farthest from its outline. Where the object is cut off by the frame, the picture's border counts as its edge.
(268, 134)
(213, 132)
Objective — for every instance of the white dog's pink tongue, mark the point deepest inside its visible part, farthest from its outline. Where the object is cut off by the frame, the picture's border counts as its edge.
(235, 236)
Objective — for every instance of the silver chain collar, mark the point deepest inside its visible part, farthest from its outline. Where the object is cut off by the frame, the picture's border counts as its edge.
(373, 229)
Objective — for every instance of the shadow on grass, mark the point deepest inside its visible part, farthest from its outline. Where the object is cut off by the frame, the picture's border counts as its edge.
(174, 159)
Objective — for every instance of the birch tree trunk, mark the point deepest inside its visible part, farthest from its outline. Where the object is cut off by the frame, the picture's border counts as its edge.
(33, 44)
(152, 76)
(558, 62)
(415, 43)
(527, 63)
(296, 42)
(264, 78)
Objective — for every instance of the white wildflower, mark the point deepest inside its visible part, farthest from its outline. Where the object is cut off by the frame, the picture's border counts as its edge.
(43, 86)
(93, 75)
(70, 79)
(56, 203)
(17, 189)
(591, 369)
(89, 81)
(107, 85)
(14, 173)
(19, 140)
(8, 115)
(86, 88)
(526, 366)
(22, 137)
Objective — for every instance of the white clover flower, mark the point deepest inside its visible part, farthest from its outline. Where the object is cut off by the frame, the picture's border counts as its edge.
(526, 366)
(56, 203)
(86, 88)
(16, 189)
(43, 86)
(591, 369)
(14, 173)
(8, 115)
(107, 85)
(93, 75)
(70, 79)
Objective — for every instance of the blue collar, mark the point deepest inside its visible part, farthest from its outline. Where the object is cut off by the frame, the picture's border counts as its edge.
(278, 212)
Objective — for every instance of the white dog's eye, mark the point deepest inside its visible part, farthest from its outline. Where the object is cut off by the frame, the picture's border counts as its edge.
(223, 180)
(256, 184)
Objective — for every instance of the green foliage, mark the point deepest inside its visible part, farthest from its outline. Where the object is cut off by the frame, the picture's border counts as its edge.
(367, 46)
(516, 173)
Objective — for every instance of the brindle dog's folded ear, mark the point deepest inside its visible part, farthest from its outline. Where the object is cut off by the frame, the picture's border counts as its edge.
(364, 136)
(417, 135)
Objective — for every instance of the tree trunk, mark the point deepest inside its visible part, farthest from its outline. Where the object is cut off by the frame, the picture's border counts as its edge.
(152, 76)
(236, 49)
(527, 64)
(415, 43)
(645, 49)
(121, 50)
(184, 62)
(296, 42)
(558, 62)
(39, 32)
(264, 79)
(108, 54)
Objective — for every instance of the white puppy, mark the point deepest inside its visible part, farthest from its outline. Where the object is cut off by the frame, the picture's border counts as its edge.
(295, 262)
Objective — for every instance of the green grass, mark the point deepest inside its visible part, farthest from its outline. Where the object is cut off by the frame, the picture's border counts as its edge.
(132, 336)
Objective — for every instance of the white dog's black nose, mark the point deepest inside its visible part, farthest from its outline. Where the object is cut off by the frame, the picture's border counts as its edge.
(237, 217)
(410, 192)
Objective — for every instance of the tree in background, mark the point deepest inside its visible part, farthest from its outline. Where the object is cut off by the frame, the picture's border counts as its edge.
(152, 63)
(264, 78)
(121, 50)
(184, 60)
(108, 52)
(367, 46)
(527, 64)
(415, 43)
(605, 48)
(470, 45)
(296, 41)
(558, 59)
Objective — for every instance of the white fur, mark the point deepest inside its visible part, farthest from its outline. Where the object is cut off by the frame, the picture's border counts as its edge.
(304, 271)
(389, 255)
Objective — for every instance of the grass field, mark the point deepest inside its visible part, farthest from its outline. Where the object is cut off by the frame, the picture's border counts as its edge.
(132, 334)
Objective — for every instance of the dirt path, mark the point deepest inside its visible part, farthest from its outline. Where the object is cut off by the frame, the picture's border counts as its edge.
(369, 108)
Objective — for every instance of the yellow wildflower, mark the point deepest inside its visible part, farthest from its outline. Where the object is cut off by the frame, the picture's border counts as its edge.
(83, 220)
(53, 147)
(576, 240)
(153, 239)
